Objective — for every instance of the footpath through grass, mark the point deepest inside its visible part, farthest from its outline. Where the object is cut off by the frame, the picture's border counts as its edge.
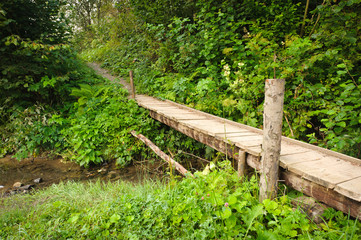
(213, 205)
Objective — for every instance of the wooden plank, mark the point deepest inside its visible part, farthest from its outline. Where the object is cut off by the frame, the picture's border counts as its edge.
(211, 126)
(239, 136)
(253, 161)
(322, 194)
(247, 138)
(256, 130)
(254, 150)
(185, 116)
(243, 126)
(241, 132)
(327, 171)
(180, 114)
(351, 189)
(287, 148)
(166, 109)
(155, 105)
(248, 143)
(289, 159)
(218, 144)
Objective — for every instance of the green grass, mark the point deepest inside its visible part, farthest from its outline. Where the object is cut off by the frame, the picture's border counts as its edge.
(214, 205)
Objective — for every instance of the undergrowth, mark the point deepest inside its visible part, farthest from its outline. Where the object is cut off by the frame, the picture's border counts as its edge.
(213, 205)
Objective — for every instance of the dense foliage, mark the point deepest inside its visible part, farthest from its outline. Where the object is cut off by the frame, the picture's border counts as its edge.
(217, 59)
(34, 59)
(37, 71)
(213, 205)
(50, 101)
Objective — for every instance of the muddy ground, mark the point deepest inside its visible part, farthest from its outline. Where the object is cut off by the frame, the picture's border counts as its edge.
(53, 170)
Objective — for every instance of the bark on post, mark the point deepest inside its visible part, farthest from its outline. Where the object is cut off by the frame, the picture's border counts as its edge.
(272, 133)
(132, 84)
(241, 162)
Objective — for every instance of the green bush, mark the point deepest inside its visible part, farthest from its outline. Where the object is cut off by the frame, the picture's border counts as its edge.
(99, 126)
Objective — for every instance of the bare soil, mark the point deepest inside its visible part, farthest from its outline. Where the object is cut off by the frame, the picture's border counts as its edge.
(103, 72)
(55, 170)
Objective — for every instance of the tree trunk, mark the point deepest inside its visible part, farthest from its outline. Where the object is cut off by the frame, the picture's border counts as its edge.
(272, 133)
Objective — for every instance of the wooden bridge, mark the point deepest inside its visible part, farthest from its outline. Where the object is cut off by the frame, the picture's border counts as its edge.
(328, 176)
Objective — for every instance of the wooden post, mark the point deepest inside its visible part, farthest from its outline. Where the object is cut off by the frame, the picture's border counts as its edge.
(241, 162)
(272, 133)
(132, 84)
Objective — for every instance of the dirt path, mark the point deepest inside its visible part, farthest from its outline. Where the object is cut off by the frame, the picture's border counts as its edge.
(104, 73)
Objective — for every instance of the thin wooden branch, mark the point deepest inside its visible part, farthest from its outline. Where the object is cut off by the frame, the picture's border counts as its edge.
(195, 156)
(289, 125)
(132, 84)
(161, 154)
(349, 72)
(304, 18)
(317, 20)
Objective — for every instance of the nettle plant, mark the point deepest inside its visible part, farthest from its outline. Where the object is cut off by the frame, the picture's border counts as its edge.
(98, 127)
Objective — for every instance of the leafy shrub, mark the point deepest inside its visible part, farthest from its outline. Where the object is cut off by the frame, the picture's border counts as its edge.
(98, 130)
(29, 132)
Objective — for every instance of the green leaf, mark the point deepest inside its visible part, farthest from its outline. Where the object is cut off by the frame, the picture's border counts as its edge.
(232, 200)
(74, 218)
(114, 218)
(226, 213)
(231, 222)
(253, 213)
(341, 124)
(130, 218)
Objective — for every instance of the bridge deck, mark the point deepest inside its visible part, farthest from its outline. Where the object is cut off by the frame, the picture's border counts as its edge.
(330, 177)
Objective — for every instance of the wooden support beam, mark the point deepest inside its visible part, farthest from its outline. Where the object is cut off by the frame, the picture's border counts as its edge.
(322, 194)
(241, 163)
(132, 84)
(272, 135)
(161, 154)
